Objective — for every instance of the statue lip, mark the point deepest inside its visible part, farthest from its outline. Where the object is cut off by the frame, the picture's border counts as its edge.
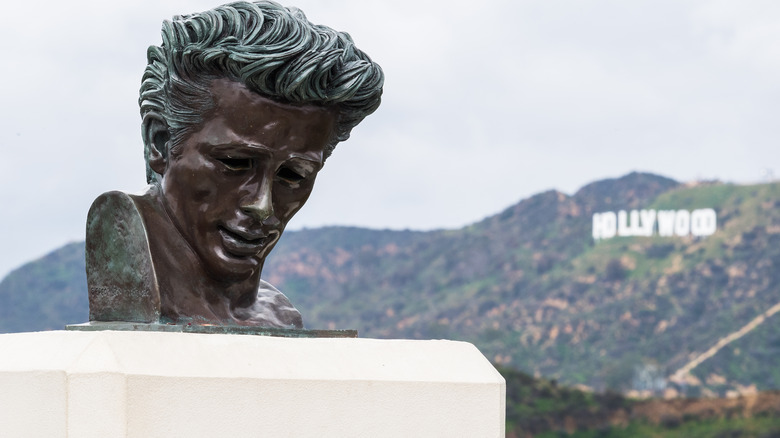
(243, 243)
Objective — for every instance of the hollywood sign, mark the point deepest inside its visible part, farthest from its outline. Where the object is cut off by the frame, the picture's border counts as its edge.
(701, 222)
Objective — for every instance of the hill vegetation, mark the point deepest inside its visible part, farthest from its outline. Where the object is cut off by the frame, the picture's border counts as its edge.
(529, 286)
(542, 408)
(532, 289)
(47, 293)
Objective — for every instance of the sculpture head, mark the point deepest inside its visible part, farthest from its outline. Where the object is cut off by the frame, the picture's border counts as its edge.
(241, 106)
(274, 51)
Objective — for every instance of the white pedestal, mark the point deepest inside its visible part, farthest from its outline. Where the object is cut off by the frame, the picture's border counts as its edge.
(149, 384)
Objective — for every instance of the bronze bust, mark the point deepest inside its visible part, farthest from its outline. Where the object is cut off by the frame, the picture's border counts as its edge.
(241, 106)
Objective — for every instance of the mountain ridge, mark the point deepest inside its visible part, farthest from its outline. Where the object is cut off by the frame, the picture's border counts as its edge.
(531, 288)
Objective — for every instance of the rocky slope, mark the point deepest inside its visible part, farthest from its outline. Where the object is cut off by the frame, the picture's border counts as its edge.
(529, 286)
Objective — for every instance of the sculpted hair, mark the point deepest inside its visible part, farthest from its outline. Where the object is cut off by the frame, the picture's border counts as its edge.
(273, 50)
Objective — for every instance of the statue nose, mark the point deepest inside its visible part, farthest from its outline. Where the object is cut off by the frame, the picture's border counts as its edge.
(259, 205)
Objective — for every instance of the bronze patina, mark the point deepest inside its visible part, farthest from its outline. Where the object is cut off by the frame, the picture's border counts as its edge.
(241, 106)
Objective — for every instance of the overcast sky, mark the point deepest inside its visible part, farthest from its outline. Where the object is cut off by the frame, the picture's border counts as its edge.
(485, 103)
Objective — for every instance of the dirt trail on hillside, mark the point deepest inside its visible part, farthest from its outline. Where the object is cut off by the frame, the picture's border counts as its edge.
(680, 375)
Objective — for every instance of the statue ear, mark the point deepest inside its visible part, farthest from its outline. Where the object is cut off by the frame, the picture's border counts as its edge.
(154, 130)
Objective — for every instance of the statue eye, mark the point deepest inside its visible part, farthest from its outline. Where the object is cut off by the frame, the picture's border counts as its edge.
(236, 163)
(289, 175)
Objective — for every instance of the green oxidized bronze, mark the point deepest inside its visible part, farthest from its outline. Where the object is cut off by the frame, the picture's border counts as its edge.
(241, 106)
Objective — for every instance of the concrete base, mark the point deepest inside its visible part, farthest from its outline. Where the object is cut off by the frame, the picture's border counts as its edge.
(147, 384)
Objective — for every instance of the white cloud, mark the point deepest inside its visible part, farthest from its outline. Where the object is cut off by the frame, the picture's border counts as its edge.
(484, 104)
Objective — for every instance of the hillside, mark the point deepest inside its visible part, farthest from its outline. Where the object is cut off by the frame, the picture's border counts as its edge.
(538, 407)
(533, 291)
(47, 293)
(529, 286)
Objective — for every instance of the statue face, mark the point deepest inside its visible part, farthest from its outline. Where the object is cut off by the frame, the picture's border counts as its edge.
(232, 185)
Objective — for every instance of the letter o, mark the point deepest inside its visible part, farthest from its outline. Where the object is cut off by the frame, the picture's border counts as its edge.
(682, 223)
(704, 222)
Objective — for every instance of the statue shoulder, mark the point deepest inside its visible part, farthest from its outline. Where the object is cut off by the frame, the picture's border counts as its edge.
(119, 205)
(120, 275)
(111, 203)
(277, 307)
(113, 215)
